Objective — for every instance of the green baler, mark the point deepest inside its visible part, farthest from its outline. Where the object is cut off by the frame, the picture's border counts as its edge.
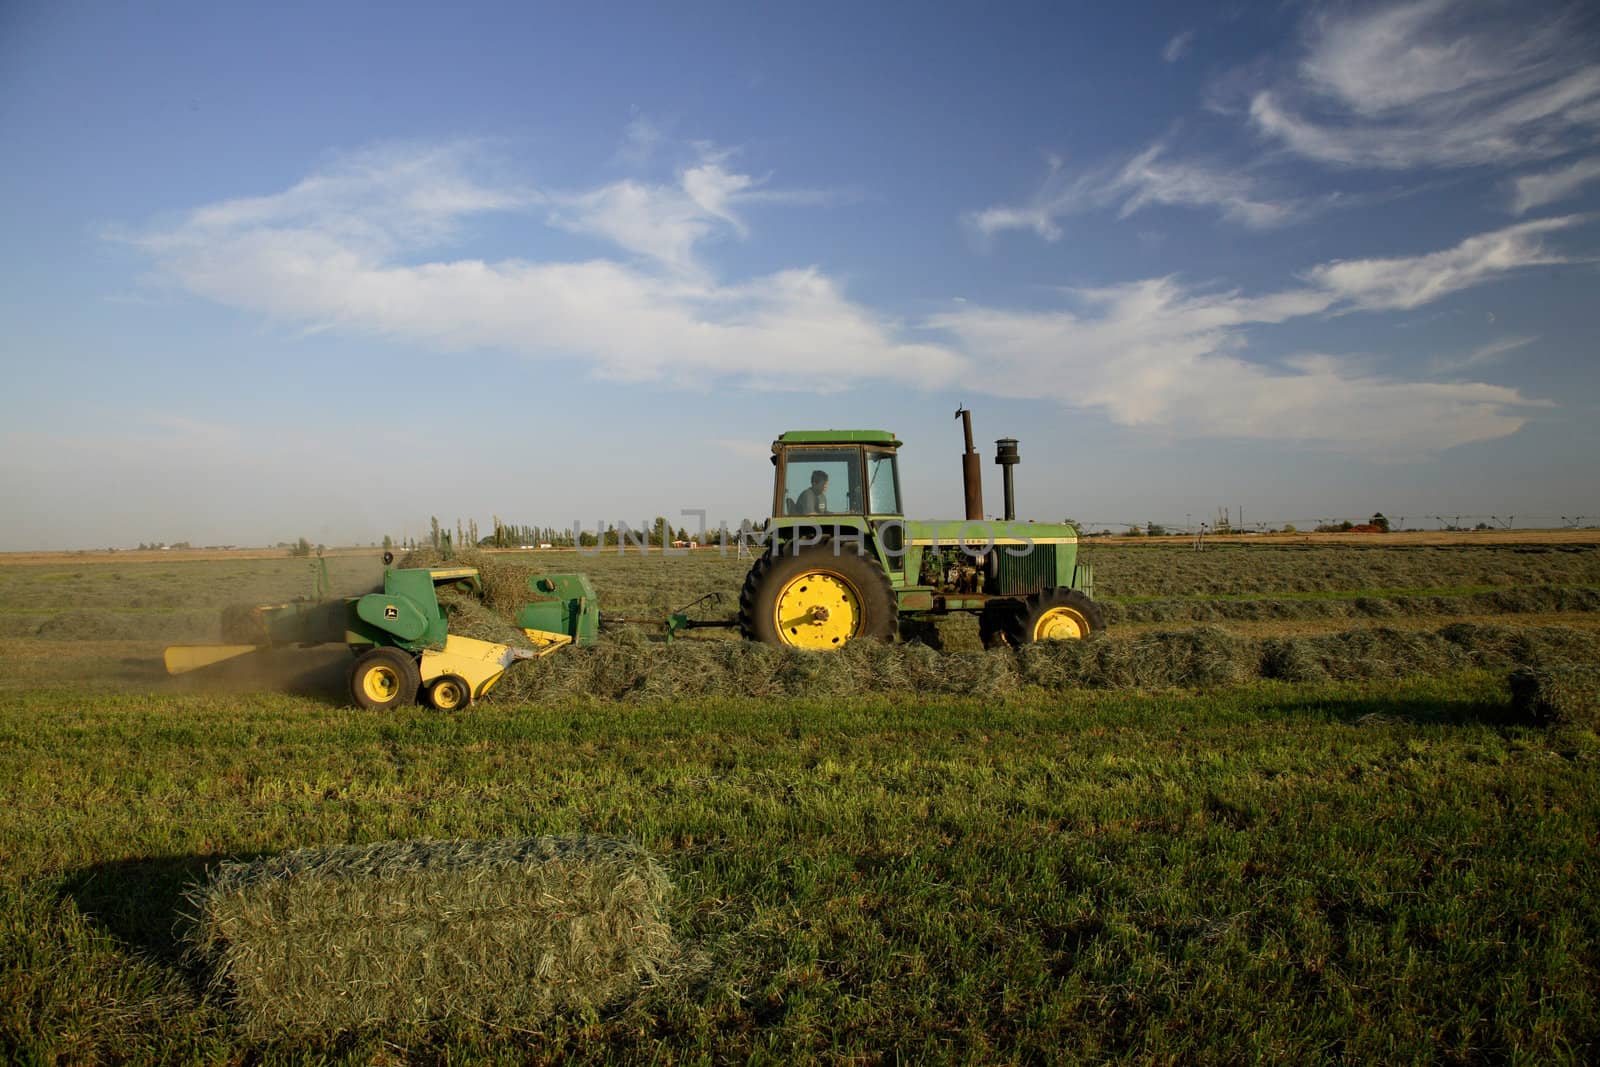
(400, 636)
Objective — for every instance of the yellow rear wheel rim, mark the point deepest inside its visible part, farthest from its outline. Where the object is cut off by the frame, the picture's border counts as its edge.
(817, 609)
(1060, 624)
(380, 683)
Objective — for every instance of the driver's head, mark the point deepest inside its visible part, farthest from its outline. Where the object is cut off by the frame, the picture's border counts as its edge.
(819, 480)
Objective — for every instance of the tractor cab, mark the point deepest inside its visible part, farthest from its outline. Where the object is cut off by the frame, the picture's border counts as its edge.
(836, 472)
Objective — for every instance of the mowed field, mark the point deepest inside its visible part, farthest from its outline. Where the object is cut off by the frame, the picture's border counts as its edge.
(1281, 811)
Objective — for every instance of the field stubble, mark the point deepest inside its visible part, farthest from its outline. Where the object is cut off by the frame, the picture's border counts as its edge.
(1322, 848)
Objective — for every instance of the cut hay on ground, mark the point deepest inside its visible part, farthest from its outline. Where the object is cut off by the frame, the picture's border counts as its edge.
(627, 666)
(1557, 696)
(1532, 600)
(408, 932)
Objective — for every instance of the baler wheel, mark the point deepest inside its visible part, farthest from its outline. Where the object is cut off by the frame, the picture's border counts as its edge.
(818, 599)
(384, 678)
(448, 692)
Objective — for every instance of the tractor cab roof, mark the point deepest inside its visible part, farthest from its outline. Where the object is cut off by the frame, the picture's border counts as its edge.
(882, 438)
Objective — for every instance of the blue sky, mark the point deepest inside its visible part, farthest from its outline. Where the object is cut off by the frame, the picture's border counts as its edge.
(327, 270)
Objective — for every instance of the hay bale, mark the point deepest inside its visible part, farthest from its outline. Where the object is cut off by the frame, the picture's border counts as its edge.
(1556, 696)
(407, 932)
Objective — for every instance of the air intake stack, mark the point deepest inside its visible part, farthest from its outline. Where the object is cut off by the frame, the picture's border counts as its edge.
(971, 469)
(1005, 454)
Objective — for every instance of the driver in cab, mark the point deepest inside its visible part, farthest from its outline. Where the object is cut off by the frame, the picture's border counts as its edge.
(814, 501)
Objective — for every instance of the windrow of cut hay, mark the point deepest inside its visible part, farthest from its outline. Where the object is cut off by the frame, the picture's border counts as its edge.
(627, 666)
(1557, 696)
(404, 933)
(1531, 600)
(1126, 570)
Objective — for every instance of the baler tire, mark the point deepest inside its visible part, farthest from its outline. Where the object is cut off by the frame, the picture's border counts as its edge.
(448, 692)
(862, 579)
(1055, 615)
(384, 678)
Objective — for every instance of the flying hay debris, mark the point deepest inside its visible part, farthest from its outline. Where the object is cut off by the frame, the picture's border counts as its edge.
(407, 932)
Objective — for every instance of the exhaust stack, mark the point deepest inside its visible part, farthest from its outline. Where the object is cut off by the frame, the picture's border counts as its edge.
(971, 469)
(1005, 454)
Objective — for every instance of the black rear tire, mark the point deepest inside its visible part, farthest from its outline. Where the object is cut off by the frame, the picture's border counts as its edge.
(864, 596)
(384, 678)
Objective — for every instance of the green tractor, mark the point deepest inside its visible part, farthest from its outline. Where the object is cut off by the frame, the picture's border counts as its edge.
(842, 562)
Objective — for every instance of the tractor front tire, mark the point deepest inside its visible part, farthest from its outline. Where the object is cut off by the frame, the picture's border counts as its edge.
(384, 678)
(817, 599)
(1053, 615)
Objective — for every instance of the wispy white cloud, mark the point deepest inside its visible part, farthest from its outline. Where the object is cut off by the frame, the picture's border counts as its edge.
(1552, 186)
(668, 222)
(1437, 83)
(1485, 355)
(641, 139)
(341, 250)
(346, 251)
(1151, 177)
(664, 223)
(1178, 47)
(1411, 281)
(1154, 354)
(1159, 354)
(1057, 197)
(375, 201)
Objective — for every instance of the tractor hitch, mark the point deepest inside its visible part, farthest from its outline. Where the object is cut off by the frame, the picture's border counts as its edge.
(677, 621)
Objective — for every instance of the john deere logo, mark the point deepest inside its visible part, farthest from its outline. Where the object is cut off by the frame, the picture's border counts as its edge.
(391, 612)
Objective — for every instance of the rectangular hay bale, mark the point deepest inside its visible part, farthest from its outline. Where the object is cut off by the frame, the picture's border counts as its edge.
(406, 932)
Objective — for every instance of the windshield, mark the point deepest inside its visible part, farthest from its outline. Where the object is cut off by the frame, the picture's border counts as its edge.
(883, 484)
(822, 481)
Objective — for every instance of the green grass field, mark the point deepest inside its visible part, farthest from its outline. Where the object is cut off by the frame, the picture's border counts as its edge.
(1382, 869)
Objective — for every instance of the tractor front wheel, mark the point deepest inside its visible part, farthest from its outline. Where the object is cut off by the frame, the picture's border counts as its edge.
(1053, 615)
(819, 598)
(384, 678)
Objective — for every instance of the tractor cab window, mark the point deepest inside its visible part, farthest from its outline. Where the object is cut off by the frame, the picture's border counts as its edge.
(822, 481)
(883, 484)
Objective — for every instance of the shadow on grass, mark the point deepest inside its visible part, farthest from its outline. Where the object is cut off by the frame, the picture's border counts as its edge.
(141, 902)
(1408, 708)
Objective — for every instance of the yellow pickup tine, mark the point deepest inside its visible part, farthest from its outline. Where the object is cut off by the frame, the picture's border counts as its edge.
(184, 658)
